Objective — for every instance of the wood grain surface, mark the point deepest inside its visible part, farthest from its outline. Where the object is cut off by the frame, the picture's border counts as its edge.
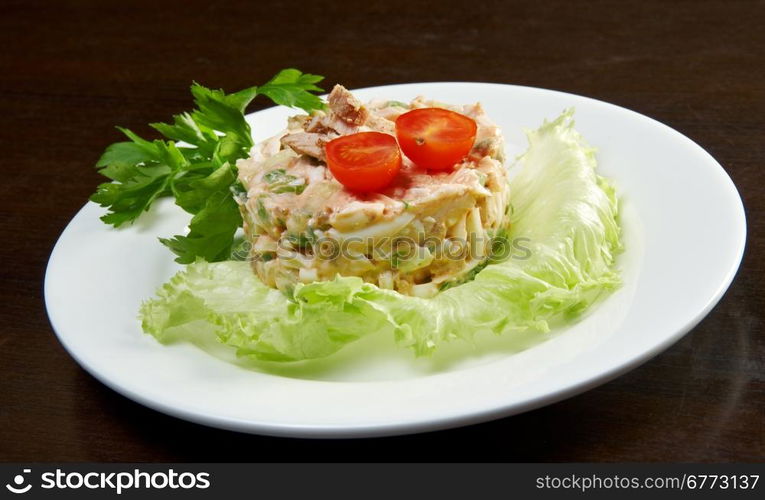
(71, 70)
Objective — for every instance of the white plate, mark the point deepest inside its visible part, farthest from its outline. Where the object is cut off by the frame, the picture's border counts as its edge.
(684, 233)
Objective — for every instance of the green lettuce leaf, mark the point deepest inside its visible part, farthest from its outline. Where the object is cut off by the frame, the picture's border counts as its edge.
(563, 239)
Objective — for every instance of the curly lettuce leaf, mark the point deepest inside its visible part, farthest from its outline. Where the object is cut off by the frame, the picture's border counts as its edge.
(565, 218)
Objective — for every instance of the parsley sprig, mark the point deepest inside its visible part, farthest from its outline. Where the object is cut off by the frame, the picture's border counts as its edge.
(195, 163)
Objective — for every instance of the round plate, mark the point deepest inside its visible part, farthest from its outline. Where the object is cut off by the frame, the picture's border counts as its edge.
(684, 232)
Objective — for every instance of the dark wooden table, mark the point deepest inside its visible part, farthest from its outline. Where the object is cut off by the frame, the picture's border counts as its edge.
(70, 71)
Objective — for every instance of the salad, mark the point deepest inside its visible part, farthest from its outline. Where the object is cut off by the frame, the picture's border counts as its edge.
(386, 217)
(311, 213)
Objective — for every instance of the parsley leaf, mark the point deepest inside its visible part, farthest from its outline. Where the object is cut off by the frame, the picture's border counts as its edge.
(211, 231)
(142, 169)
(127, 200)
(292, 88)
(195, 163)
(185, 129)
(192, 190)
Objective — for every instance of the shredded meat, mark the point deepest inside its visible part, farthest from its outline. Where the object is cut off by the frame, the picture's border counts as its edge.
(323, 124)
(346, 107)
(297, 122)
(306, 143)
(380, 124)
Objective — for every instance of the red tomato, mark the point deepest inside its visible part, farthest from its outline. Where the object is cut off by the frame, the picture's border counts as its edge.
(435, 138)
(364, 162)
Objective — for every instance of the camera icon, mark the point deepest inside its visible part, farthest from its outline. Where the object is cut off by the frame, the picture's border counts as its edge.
(18, 486)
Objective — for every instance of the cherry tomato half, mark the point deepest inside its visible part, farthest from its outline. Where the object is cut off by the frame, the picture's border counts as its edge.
(435, 138)
(364, 162)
